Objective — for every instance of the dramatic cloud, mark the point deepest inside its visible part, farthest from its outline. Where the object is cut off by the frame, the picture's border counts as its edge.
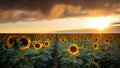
(30, 10)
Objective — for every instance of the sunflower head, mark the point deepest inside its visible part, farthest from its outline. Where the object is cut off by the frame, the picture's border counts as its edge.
(33, 42)
(73, 49)
(25, 43)
(63, 39)
(110, 38)
(47, 43)
(85, 37)
(5, 47)
(107, 41)
(95, 46)
(10, 41)
(76, 39)
(37, 45)
(96, 40)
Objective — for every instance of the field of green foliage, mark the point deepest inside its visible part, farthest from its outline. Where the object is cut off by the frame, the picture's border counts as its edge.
(60, 50)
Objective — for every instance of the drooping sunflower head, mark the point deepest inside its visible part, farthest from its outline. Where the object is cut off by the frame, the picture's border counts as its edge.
(62, 39)
(37, 45)
(95, 46)
(10, 41)
(24, 43)
(47, 43)
(73, 49)
(5, 47)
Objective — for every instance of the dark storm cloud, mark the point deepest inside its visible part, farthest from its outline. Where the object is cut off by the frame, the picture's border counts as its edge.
(29, 10)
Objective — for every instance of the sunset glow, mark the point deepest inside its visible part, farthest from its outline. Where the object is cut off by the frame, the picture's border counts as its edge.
(100, 23)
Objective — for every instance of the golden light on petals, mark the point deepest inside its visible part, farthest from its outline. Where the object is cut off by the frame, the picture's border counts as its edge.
(5, 47)
(25, 43)
(47, 43)
(97, 39)
(95, 46)
(10, 41)
(73, 49)
(76, 38)
(37, 45)
(63, 39)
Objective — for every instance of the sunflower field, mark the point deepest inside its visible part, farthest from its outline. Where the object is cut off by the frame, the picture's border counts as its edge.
(60, 50)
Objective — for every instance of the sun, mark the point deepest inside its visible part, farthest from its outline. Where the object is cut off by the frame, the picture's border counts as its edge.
(99, 23)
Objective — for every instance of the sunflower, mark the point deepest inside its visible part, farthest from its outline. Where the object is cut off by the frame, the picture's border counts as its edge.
(5, 47)
(33, 42)
(47, 43)
(24, 43)
(73, 49)
(37, 45)
(37, 37)
(62, 39)
(10, 41)
(95, 46)
(85, 37)
(76, 39)
(107, 41)
(96, 40)
(73, 36)
(111, 38)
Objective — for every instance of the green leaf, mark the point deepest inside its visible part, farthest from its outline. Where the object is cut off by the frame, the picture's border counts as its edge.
(3, 58)
(27, 65)
(80, 62)
(14, 60)
(11, 51)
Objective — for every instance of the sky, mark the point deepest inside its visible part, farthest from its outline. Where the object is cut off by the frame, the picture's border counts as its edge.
(50, 16)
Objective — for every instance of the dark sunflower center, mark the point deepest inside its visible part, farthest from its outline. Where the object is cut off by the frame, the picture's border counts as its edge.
(95, 46)
(96, 40)
(11, 40)
(62, 40)
(75, 39)
(24, 41)
(107, 40)
(6, 47)
(46, 43)
(37, 45)
(73, 49)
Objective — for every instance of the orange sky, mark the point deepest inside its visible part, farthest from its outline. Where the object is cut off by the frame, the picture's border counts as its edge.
(58, 25)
